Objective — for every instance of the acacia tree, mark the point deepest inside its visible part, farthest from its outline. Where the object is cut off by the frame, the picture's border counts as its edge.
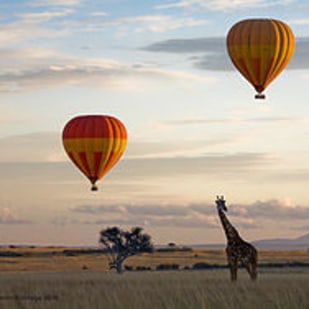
(121, 244)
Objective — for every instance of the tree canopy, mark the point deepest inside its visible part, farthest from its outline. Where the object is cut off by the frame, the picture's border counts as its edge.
(122, 244)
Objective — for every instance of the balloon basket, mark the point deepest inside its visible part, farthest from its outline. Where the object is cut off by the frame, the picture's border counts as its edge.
(94, 188)
(260, 96)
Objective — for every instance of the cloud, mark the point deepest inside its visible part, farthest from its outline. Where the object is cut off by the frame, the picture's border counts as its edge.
(99, 209)
(38, 17)
(212, 164)
(35, 147)
(30, 69)
(244, 166)
(300, 227)
(15, 33)
(28, 26)
(300, 59)
(55, 2)
(190, 222)
(213, 55)
(160, 23)
(153, 23)
(301, 21)
(63, 220)
(147, 215)
(8, 217)
(15, 119)
(175, 215)
(197, 45)
(99, 13)
(147, 150)
(222, 5)
(227, 121)
(271, 210)
(134, 210)
(196, 215)
(47, 147)
(93, 21)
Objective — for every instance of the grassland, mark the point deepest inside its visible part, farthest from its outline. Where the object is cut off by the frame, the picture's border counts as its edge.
(38, 279)
(53, 259)
(170, 290)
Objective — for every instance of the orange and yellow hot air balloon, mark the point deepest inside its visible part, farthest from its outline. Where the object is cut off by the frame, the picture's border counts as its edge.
(260, 49)
(94, 143)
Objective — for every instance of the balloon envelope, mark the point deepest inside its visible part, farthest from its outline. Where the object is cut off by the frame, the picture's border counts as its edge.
(260, 49)
(94, 143)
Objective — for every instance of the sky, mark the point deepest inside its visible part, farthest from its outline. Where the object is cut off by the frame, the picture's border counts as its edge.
(194, 127)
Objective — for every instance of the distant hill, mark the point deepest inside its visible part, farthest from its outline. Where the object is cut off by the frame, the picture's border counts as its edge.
(299, 243)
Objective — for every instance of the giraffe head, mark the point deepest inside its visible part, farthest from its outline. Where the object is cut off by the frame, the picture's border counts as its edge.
(221, 203)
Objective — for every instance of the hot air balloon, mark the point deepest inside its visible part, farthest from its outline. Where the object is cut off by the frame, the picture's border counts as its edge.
(260, 49)
(94, 143)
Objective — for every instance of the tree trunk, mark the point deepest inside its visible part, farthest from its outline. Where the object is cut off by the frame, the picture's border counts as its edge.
(119, 266)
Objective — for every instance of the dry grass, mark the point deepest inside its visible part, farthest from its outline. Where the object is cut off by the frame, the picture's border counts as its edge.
(38, 259)
(171, 290)
(41, 280)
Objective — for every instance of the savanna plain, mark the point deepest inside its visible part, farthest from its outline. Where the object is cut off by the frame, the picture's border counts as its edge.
(53, 278)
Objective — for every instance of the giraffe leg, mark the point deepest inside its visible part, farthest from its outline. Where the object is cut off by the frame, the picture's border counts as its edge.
(233, 268)
(248, 267)
(253, 273)
(253, 264)
(251, 269)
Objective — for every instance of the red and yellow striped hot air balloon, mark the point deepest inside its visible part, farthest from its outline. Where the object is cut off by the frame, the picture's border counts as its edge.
(260, 49)
(94, 143)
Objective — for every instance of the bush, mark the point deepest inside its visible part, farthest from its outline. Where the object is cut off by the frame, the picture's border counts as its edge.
(10, 254)
(74, 252)
(128, 268)
(167, 267)
(202, 265)
(142, 268)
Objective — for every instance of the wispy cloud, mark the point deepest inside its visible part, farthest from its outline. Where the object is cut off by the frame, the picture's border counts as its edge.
(46, 147)
(189, 222)
(300, 227)
(99, 13)
(196, 45)
(211, 53)
(143, 23)
(55, 2)
(36, 147)
(301, 21)
(19, 32)
(216, 165)
(227, 121)
(38, 17)
(144, 210)
(8, 217)
(271, 210)
(196, 215)
(149, 215)
(146, 149)
(41, 71)
(15, 119)
(222, 5)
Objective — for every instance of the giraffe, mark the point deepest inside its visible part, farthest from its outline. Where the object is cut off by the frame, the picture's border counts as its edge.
(237, 249)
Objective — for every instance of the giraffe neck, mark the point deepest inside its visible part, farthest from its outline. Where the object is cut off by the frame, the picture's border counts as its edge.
(230, 231)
